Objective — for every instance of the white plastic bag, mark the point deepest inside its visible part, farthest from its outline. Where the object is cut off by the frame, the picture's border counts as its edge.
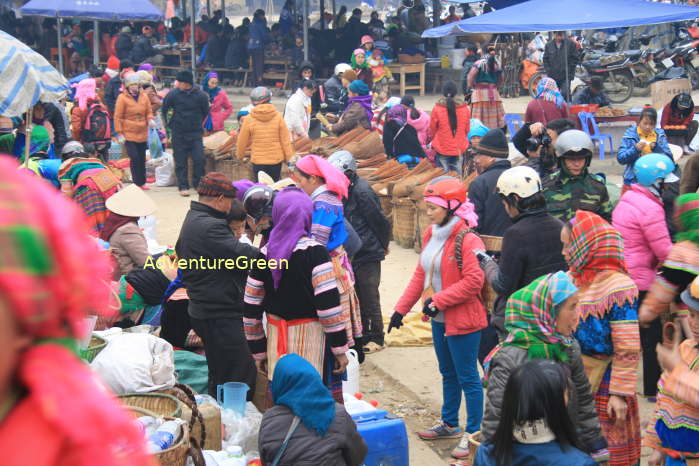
(147, 224)
(241, 431)
(136, 362)
(165, 172)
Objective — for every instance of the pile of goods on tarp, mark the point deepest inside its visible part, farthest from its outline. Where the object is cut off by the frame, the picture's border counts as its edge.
(177, 423)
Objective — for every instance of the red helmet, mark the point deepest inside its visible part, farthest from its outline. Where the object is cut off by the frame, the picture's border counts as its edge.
(446, 187)
(367, 39)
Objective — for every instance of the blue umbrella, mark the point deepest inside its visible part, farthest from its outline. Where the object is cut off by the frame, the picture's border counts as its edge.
(114, 10)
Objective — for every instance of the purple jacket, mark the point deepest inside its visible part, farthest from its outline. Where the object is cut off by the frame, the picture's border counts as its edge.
(640, 219)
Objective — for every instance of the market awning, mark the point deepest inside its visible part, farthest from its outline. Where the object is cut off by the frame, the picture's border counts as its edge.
(557, 15)
(108, 10)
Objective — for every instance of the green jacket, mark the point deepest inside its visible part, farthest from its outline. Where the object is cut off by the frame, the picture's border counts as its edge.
(566, 194)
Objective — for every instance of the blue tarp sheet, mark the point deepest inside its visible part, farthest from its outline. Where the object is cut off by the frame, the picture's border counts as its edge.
(556, 15)
(111, 10)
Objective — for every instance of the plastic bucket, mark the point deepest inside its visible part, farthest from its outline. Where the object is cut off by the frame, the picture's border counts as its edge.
(232, 395)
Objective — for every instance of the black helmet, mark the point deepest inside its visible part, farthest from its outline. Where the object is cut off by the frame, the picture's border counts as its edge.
(258, 202)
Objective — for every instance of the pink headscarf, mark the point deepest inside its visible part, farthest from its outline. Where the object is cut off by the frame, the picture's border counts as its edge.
(86, 90)
(466, 210)
(335, 180)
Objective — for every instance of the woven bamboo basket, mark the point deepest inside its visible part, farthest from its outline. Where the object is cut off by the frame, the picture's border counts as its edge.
(204, 420)
(474, 441)
(404, 222)
(96, 345)
(493, 244)
(235, 169)
(159, 403)
(422, 221)
(177, 454)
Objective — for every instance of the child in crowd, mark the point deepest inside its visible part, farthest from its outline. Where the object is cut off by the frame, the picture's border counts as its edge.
(672, 432)
(535, 427)
(237, 220)
(642, 139)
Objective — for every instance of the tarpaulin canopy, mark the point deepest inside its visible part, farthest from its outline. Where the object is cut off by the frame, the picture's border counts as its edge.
(556, 15)
(109, 10)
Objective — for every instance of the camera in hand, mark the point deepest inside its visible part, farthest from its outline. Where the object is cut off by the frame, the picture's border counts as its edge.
(534, 142)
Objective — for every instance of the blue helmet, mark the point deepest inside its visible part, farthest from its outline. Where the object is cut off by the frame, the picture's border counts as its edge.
(653, 167)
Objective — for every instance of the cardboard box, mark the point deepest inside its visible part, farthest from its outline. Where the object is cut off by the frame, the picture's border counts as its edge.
(662, 92)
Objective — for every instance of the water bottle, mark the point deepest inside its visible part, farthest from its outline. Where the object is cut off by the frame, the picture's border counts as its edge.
(164, 436)
(351, 385)
(147, 425)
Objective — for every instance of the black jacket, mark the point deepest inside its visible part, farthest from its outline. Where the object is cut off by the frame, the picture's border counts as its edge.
(142, 49)
(363, 210)
(531, 247)
(150, 283)
(555, 60)
(333, 95)
(215, 289)
(123, 46)
(399, 140)
(190, 108)
(55, 116)
(492, 218)
(111, 92)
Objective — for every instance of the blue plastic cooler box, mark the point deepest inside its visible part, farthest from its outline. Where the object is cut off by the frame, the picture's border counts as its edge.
(385, 436)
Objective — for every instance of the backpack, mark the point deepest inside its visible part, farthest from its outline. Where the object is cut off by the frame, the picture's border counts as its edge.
(97, 127)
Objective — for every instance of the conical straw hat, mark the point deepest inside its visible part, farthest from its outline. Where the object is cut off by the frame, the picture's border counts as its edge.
(131, 202)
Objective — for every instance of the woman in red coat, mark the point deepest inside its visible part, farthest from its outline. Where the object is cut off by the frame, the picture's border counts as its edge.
(449, 125)
(449, 280)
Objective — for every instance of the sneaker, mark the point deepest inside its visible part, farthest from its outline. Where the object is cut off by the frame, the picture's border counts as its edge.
(461, 451)
(184, 192)
(440, 431)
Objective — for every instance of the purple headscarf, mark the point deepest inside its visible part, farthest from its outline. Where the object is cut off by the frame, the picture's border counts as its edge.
(398, 113)
(364, 101)
(145, 67)
(241, 187)
(292, 217)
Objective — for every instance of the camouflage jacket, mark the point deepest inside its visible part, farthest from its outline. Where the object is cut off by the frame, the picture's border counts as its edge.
(566, 194)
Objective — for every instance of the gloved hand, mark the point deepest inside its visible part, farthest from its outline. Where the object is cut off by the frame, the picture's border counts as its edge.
(430, 309)
(396, 321)
(482, 257)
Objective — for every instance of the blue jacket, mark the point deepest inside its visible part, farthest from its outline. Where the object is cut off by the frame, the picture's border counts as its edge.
(536, 454)
(628, 154)
(259, 35)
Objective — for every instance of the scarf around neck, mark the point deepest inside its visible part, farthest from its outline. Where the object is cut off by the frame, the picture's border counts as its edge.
(112, 223)
(365, 102)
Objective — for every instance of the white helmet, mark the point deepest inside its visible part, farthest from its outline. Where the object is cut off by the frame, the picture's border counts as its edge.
(522, 181)
(574, 143)
(343, 160)
(341, 68)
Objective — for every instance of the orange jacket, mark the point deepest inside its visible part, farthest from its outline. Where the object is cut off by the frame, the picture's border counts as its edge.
(268, 137)
(131, 116)
(443, 140)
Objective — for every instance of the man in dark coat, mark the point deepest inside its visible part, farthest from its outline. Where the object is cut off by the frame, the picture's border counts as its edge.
(124, 43)
(190, 106)
(558, 53)
(113, 87)
(214, 275)
(363, 210)
(491, 161)
(143, 50)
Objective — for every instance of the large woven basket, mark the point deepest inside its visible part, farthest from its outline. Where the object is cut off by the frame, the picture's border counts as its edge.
(493, 244)
(96, 345)
(177, 454)
(158, 403)
(235, 169)
(474, 441)
(404, 222)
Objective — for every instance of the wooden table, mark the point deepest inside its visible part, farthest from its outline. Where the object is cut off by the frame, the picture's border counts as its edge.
(278, 69)
(402, 70)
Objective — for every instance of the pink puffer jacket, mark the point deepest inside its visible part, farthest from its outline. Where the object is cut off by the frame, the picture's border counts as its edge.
(640, 219)
(422, 126)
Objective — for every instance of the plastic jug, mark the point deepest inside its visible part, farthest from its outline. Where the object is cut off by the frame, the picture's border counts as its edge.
(232, 395)
(351, 385)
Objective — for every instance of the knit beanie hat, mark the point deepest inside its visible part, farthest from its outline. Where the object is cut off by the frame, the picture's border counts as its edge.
(113, 63)
(185, 76)
(359, 87)
(216, 184)
(494, 144)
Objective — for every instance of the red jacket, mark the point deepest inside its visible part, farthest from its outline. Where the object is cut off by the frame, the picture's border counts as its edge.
(443, 141)
(671, 118)
(461, 295)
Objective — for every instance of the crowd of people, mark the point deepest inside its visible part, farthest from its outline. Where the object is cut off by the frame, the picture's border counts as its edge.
(592, 288)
